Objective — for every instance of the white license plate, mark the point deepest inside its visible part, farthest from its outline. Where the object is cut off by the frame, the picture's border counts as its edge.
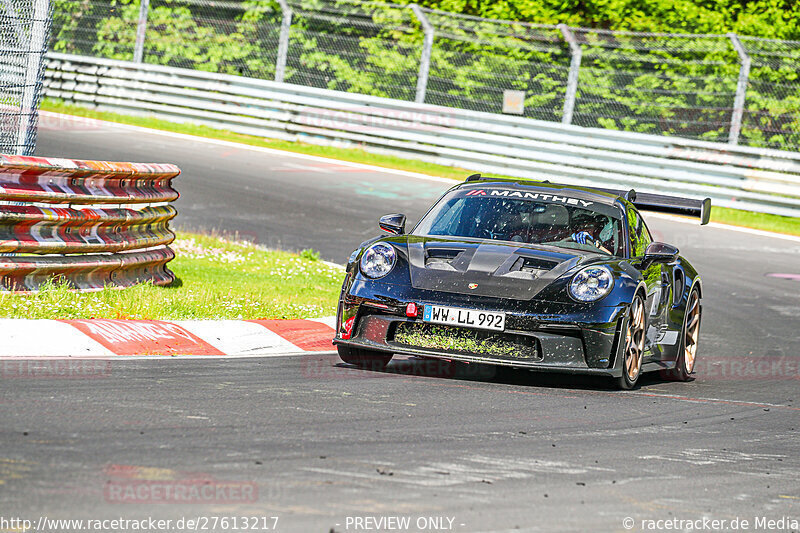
(469, 318)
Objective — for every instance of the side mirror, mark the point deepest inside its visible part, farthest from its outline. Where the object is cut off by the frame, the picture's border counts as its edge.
(393, 224)
(660, 252)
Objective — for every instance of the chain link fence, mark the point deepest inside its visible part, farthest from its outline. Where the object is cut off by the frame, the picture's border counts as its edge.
(679, 84)
(24, 25)
(366, 47)
(723, 88)
(772, 105)
(474, 61)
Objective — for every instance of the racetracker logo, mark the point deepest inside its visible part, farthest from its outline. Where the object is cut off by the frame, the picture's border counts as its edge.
(323, 367)
(733, 368)
(55, 369)
(137, 484)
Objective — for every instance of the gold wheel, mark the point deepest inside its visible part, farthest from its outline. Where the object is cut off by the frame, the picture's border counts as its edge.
(691, 332)
(634, 340)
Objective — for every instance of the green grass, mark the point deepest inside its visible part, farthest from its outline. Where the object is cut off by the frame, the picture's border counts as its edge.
(779, 224)
(762, 221)
(354, 155)
(218, 279)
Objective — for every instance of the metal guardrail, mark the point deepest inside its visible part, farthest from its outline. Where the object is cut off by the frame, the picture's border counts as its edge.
(710, 87)
(754, 179)
(119, 245)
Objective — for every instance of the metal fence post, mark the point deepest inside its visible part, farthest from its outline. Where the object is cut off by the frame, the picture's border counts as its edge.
(33, 69)
(741, 89)
(571, 93)
(141, 30)
(425, 58)
(283, 41)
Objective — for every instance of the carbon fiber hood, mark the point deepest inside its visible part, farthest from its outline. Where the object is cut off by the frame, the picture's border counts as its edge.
(485, 268)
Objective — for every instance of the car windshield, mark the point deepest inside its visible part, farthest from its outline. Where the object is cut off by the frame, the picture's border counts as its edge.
(526, 217)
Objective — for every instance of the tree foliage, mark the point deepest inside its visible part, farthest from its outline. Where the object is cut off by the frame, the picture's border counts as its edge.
(674, 84)
(771, 19)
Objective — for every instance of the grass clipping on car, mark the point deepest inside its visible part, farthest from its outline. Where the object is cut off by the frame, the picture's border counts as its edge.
(462, 341)
(217, 278)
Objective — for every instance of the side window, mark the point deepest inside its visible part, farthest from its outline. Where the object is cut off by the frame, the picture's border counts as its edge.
(644, 236)
(639, 234)
(632, 232)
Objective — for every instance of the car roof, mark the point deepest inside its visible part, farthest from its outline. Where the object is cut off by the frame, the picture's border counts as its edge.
(575, 191)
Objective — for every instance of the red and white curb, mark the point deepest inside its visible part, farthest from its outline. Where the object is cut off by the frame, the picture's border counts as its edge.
(197, 338)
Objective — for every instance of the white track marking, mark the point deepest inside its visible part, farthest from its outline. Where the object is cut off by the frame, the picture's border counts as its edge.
(329, 321)
(728, 227)
(701, 399)
(238, 337)
(309, 168)
(705, 457)
(295, 353)
(31, 339)
(462, 471)
(334, 265)
(119, 358)
(46, 338)
(239, 146)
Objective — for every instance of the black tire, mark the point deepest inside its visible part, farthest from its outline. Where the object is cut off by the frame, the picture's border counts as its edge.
(367, 359)
(690, 333)
(633, 336)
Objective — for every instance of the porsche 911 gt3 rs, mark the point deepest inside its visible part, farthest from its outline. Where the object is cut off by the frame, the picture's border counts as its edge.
(530, 275)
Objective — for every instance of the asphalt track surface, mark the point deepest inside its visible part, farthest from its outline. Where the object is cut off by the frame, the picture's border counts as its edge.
(493, 451)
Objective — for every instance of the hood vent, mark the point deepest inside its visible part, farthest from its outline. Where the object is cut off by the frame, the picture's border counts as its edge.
(534, 264)
(493, 269)
(441, 258)
(527, 268)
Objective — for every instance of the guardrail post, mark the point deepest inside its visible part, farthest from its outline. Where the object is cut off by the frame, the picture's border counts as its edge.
(574, 68)
(283, 41)
(35, 57)
(425, 58)
(141, 30)
(741, 89)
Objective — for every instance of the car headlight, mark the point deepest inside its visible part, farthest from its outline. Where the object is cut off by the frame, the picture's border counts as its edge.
(591, 283)
(378, 260)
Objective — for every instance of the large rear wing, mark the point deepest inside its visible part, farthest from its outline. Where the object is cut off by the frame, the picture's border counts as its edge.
(661, 203)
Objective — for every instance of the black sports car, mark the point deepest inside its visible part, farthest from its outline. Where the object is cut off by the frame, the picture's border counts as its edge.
(529, 275)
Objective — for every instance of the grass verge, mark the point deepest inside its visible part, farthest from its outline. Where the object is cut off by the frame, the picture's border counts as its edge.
(762, 221)
(218, 279)
(354, 155)
(779, 224)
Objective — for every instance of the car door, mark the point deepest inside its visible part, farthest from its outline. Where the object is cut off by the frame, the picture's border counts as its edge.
(656, 280)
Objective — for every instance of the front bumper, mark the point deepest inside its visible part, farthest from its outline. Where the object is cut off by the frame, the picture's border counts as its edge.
(578, 339)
